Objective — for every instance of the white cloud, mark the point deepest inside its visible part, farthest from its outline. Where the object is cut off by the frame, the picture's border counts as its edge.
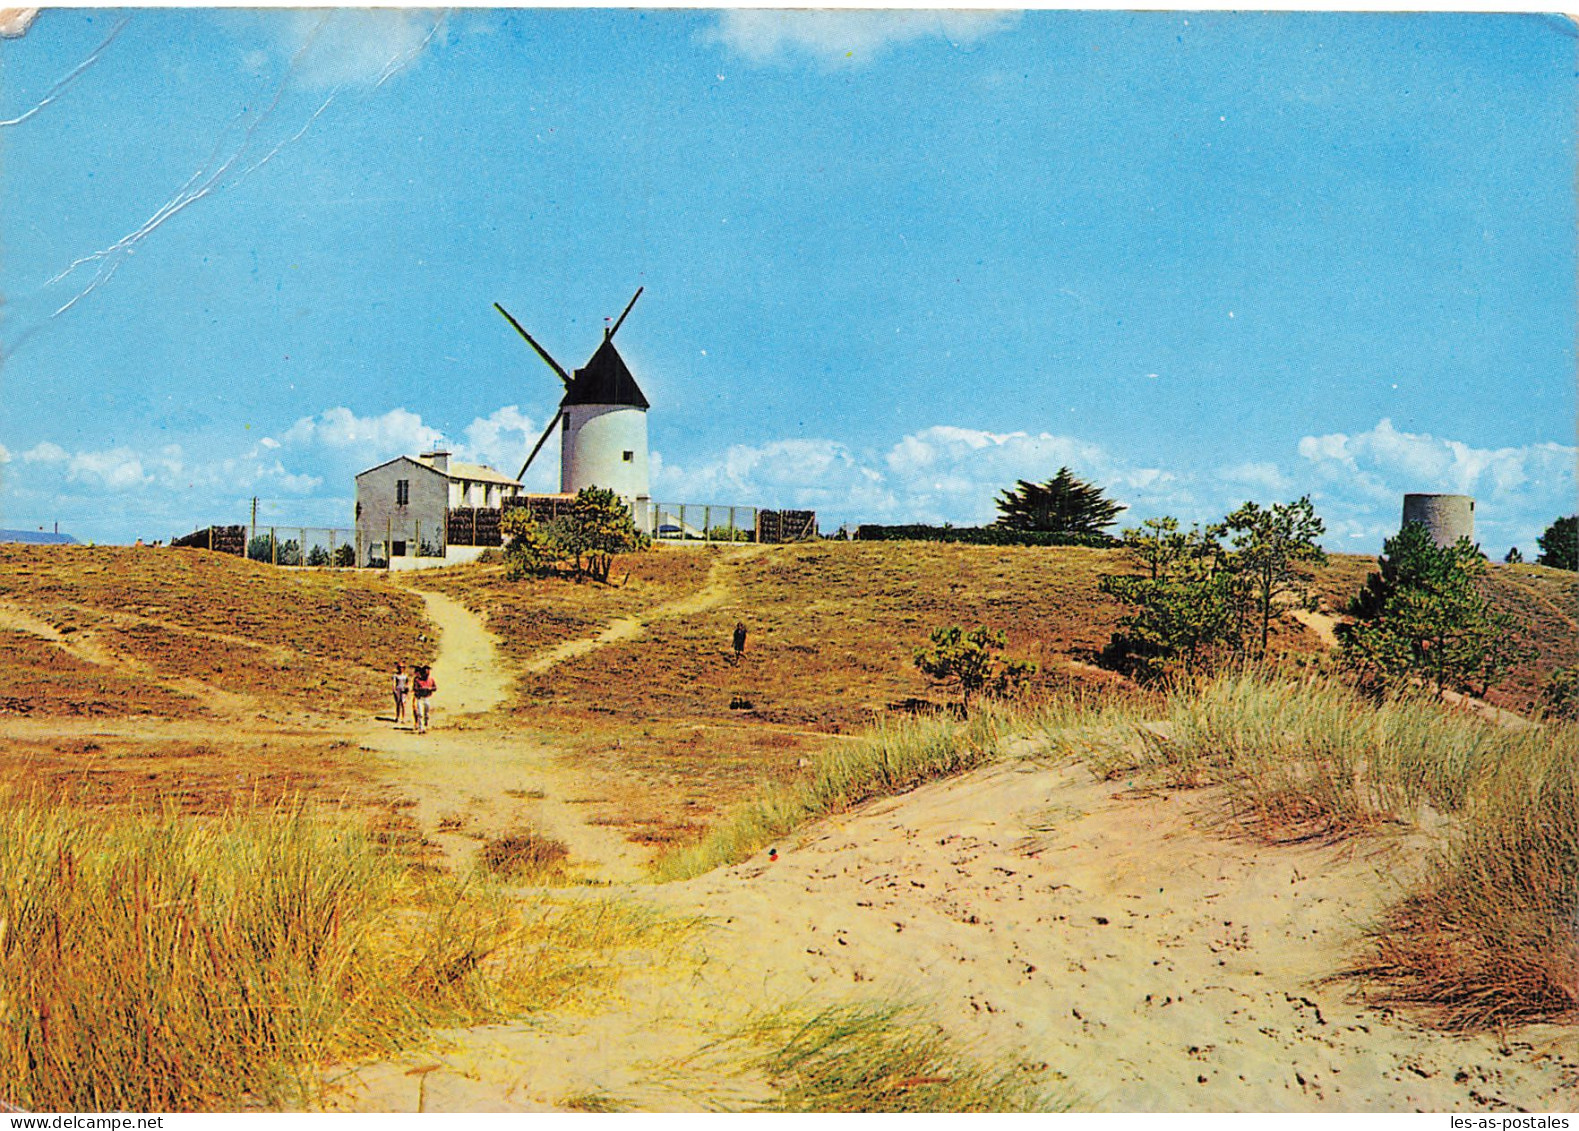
(939, 474)
(761, 35)
(351, 46)
(1364, 476)
(1266, 476)
(45, 452)
(396, 432)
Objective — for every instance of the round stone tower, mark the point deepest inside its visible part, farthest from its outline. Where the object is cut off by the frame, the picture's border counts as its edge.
(1447, 517)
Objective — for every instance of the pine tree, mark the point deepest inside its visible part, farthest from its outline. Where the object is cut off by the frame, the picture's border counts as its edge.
(1560, 544)
(1062, 505)
(1424, 615)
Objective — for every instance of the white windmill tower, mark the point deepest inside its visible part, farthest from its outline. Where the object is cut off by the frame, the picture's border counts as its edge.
(602, 420)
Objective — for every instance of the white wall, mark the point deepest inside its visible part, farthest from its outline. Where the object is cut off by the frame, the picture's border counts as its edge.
(592, 447)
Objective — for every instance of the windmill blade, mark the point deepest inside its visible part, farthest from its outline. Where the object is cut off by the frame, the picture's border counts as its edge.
(541, 440)
(620, 321)
(541, 352)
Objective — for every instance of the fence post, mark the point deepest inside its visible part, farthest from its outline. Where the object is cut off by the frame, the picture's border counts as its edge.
(682, 522)
(707, 523)
(274, 548)
(389, 544)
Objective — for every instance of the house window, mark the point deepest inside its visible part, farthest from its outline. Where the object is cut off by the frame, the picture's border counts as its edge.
(566, 419)
(627, 456)
(397, 549)
(402, 492)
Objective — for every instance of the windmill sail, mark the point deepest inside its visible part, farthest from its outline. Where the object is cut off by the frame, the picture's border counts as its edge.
(541, 352)
(537, 447)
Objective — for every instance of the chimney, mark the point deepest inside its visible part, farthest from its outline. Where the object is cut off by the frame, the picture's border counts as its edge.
(440, 460)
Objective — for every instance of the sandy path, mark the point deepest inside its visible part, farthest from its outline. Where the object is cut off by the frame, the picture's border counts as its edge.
(715, 590)
(1151, 963)
(470, 777)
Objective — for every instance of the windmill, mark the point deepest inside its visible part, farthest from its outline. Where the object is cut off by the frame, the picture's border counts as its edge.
(602, 420)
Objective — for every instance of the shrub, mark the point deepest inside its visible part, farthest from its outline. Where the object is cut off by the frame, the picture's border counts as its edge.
(345, 556)
(1424, 615)
(970, 660)
(978, 536)
(598, 528)
(318, 556)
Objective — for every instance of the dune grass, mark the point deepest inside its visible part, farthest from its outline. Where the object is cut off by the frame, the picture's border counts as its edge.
(878, 1057)
(895, 756)
(176, 964)
(1490, 933)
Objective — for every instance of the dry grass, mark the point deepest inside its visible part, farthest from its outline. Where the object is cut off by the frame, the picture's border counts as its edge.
(1491, 934)
(525, 855)
(145, 630)
(165, 963)
(882, 1058)
(215, 775)
(895, 757)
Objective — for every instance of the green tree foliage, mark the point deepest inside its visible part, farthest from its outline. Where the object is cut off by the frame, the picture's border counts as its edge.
(317, 556)
(1560, 544)
(1425, 616)
(598, 528)
(971, 661)
(1188, 609)
(345, 556)
(1269, 549)
(263, 548)
(1514, 555)
(532, 549)
(1064, 505)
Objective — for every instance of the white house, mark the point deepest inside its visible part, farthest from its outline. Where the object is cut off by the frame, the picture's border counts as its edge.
(402, 508)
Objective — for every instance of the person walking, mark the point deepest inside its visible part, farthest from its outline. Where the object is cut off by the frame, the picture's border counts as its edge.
(422, 690)
(740, 640)
(400, 687)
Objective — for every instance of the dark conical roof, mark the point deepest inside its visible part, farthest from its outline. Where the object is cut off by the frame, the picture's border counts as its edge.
(604, 379)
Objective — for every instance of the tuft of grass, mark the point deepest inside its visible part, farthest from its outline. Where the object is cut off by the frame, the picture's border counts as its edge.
(524, 855)
(1490, 935)
(156, 962)
(894, 757)
(1313, 760)
(875, 1057)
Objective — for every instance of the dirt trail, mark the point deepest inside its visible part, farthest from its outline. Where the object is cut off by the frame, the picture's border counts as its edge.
(1151, 963)
(715, 591)
(471, 776)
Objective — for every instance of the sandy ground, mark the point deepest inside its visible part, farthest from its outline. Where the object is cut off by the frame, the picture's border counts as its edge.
(1120, 937)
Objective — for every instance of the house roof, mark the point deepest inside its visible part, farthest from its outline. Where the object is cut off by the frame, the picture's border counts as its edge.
(604, 379)
(476, 472)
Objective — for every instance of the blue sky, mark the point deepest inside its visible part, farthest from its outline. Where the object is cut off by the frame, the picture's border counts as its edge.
(893, 261)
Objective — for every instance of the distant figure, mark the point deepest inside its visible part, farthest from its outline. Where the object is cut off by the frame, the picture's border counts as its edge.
(422, 690)
(401, 686)
(740, 640)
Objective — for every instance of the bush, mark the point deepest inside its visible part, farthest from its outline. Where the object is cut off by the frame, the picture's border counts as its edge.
(979, 536)
(345, 556)
(971, 661)
(318, 556)
(1424, 615)
(598, 528)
